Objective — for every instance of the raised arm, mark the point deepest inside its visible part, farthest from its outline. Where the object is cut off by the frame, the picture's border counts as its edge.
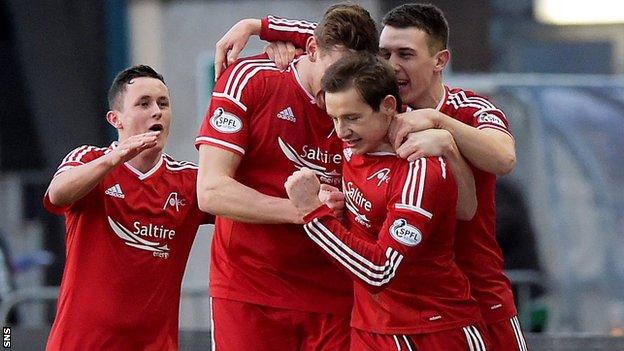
(288, 36)
(220, 194)
(233, 42)
(491, 149)
(75, 179)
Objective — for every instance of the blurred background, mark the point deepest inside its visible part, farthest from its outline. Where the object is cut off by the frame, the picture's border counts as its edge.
(555, 67)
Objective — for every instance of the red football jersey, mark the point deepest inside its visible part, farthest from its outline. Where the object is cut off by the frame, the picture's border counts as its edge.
(406, 279)
(477, 251)
(269, 118)
(127, 244)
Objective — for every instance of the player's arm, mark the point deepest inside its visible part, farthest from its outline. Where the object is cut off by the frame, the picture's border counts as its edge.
(374, 264)
(233, 42)
(220, 194)
(280, 31)
(74, 180)
(489, 149)
(466, 190)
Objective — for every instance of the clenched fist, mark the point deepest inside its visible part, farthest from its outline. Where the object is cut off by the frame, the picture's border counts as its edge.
(302, 188)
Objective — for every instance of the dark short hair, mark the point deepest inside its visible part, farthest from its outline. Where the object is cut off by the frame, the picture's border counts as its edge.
(349, 25)
(124, 77)
(371, 76)
(425, 17)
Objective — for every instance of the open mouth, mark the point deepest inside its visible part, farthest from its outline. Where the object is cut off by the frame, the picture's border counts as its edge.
(157, 128)
(402, 83)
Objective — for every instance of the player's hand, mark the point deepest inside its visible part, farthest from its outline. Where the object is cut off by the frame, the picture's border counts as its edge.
(233, 42)
(302, 188)
(333, 198)
(430, 142)
(131, 147)
(282, 53)
(410, 122)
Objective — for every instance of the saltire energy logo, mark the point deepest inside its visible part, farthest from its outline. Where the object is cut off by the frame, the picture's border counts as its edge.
(134, 239)
(301, 160)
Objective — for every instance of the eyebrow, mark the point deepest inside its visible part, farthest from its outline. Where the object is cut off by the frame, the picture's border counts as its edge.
(149, 97)
(402, 48)
(348, 115)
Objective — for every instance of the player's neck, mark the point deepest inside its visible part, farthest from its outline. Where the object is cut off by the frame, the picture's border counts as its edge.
(384, 147)
(145, 161)
(305, 71)
(430, 98)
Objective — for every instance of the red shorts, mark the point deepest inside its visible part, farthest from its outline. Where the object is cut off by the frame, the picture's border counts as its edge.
(506, 335)
(461, 339)
(238, 326)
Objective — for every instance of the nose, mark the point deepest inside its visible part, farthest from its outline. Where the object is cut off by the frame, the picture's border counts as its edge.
(393, 60)
(156, 110)
(342, 131)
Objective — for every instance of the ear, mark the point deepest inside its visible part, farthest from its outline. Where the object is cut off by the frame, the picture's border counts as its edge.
(389, 105)
(442, 59)
(312, 48)
(113, 118)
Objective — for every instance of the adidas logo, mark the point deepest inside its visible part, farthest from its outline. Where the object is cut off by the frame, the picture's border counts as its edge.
(287, 114)
(115, 191)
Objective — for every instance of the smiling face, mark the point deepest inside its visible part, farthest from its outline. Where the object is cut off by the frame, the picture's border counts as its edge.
(356, 123)
(143, 106)
(418, 71)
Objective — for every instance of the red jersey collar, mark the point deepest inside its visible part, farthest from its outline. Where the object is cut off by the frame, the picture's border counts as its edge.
(139, 174)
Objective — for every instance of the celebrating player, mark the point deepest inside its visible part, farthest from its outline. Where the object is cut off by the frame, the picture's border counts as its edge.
(131, 215)
(397, 243)
(414, 40)
(270, 286)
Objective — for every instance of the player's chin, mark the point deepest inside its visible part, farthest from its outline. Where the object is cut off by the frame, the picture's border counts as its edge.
(359, 149)
(161, 141)
(157, 148)
(407, 94)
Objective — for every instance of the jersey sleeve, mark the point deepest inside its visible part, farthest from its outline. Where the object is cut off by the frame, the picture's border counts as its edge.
(477, 111)
(485, 115)
(414, 200)
(77, 157)
(227, 121)
(296, 32)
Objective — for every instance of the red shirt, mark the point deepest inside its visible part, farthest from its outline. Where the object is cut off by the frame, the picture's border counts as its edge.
(477, 251)
(398, 245)
(127, 244)
(268, 118)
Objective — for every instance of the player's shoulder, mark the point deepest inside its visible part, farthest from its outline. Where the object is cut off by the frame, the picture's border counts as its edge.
(86, 153)
(246, 77)
(425, 168)
(460, 98)
(179, 167)
(250, 68)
